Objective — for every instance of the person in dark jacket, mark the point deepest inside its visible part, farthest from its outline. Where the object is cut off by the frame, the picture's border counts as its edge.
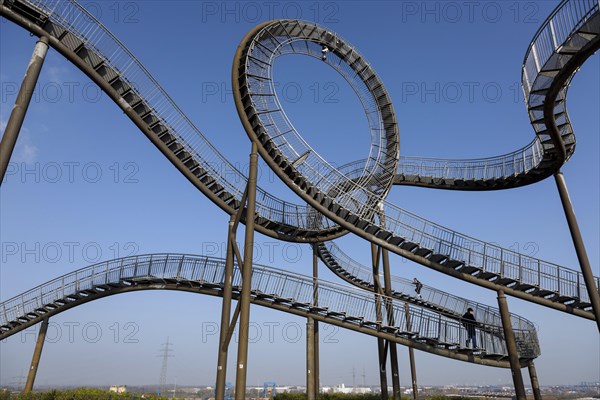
(469, 322)
(418, 287)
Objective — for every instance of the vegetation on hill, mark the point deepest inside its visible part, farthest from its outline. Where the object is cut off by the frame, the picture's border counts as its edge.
(78, 394)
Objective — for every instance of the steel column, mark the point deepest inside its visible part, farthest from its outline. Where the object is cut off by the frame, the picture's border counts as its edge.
(316, 323)
(411, 356)
(17, 115)
(310, 359)
(242, 357)
(381, 347)
(225, 314)
(511, 346)
(387, 280)
(37, 353)
(535, 385)
(584, 262)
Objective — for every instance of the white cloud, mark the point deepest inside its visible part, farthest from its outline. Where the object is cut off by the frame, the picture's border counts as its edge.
(54, 74)
(25, 151)
(27, 154)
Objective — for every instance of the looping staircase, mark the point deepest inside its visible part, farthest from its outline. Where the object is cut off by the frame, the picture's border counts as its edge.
(352, 207)
(349, 203)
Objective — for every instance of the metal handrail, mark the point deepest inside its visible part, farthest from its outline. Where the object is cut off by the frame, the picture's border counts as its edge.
(545, 53)
(343, 299)
(480, 169)
(320, 175)
(558, 26)
(489, 168)
(71, 15)
(451, 304)
(565, 19)
(474, 252)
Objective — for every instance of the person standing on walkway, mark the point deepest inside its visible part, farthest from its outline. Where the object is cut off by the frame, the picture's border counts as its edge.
(469, 322)
(418, 287)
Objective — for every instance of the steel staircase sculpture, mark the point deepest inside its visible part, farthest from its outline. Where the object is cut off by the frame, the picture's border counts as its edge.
(84, 41)
(340, 305)
(352, 205)
(560, 46)
(402, 289)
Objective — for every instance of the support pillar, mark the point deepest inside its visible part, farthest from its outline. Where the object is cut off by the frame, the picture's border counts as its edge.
(37, 353)
(310, 359)
(244, 301)
(381, 347)
(535, 385)
(225, 313)
(390, 317)
(316, 323)
(17, 116)
(511, 346)
(411, 356)
(584, 262)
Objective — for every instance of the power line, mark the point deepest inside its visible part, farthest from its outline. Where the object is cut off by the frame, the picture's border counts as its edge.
(165, 353)
(364, 376)
(19, 381)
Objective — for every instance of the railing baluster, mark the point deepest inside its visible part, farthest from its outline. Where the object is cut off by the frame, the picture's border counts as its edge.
(120, 270)
(539, 268)
(179, 268)
(135, 267)
(164, 273)
(501, 269)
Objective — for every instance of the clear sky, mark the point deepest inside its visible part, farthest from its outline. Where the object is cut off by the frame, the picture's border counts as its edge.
(87, 186)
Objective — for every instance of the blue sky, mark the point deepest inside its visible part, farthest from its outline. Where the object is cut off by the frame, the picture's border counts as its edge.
(87, 186)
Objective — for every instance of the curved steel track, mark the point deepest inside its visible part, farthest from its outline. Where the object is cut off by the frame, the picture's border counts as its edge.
(350, 203)
(344, 306)
(401, 232)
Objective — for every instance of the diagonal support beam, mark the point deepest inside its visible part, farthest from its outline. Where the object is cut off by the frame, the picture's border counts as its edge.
(244, 300)
(381, 343)
(535, 385)
(234, 319)
(582, 256)
(227, 328)
(37, 354)
(17, 115)
(411, 355)
(387, 279)
(511, 346)
(225, 312)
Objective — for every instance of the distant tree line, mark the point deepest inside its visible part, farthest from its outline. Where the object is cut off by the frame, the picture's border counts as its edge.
(78, 394)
